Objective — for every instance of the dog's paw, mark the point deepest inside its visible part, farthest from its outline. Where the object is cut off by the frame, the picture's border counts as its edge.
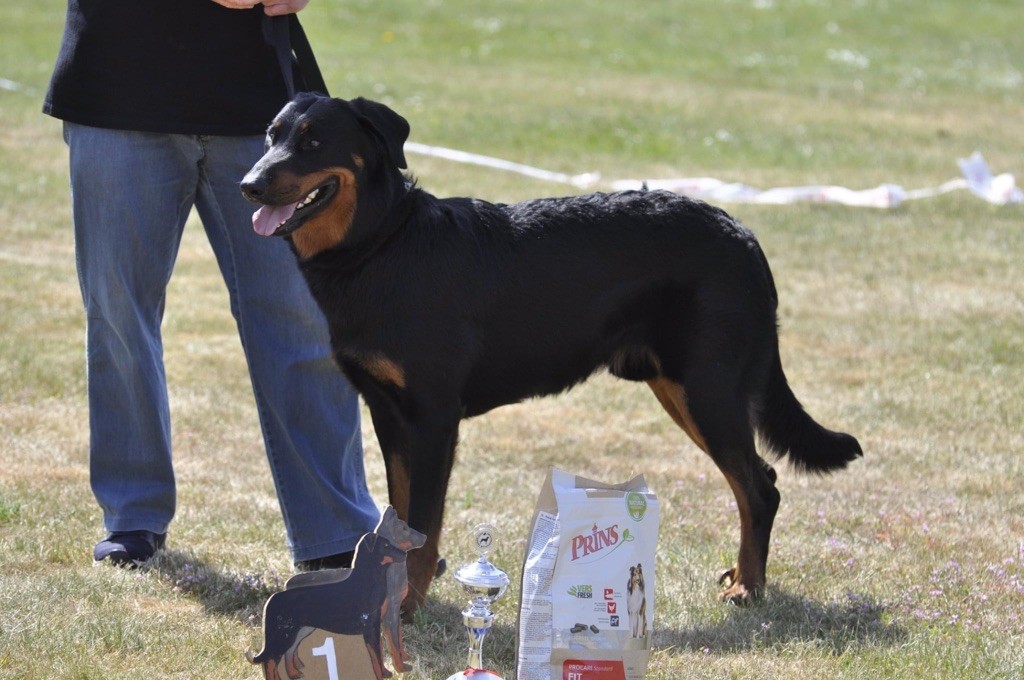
(738, 595)
(293, 666)
(736, 591)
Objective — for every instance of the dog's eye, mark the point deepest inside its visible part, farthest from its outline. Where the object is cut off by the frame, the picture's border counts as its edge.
(310, 143)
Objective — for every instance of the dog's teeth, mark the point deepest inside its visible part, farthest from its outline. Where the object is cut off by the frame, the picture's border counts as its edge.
(308, 199)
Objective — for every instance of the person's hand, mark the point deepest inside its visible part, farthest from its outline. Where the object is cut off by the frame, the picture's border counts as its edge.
(274, 8)
(271, 8)
(238, 4)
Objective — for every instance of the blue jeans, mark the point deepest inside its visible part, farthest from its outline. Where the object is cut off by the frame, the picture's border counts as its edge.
(131, 194)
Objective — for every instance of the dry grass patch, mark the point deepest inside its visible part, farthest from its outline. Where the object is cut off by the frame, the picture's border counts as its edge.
(903, 327)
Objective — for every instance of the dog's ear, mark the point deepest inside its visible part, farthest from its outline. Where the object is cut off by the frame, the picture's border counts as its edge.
(389, 127)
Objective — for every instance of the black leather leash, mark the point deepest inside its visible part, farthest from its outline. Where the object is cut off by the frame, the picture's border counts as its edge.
(294, 54)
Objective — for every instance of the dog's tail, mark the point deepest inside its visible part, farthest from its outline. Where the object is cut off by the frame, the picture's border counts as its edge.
(257, 658)
(786, 428)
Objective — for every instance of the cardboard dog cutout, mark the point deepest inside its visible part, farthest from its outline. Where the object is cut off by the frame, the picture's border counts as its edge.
(333, 618)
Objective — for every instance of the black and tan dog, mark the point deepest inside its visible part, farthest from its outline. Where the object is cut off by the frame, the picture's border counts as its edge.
(443, 309)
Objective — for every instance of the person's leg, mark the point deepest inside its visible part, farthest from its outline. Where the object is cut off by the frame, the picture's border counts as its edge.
(131, 194)
(308, 411)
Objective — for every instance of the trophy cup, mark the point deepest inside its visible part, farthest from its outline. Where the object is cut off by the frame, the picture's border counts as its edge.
(484, 583)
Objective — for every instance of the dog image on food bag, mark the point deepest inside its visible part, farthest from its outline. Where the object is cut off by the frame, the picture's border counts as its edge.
(636, 602)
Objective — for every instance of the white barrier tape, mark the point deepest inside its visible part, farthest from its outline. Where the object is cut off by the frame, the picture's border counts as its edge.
(882, 196)
(999, 190)
(581, 181)
(14, 86)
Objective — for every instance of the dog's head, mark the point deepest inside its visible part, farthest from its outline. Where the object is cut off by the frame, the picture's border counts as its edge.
(319, 152)
(398, 532)
(636, 578)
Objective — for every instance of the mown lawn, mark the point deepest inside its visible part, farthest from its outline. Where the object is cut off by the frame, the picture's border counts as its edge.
(903, 327)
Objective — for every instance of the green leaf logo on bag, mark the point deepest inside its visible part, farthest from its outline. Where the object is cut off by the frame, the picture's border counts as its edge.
(636, 505)
(582, 592)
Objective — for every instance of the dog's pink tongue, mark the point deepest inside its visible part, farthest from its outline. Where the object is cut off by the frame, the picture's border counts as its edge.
(267, 219)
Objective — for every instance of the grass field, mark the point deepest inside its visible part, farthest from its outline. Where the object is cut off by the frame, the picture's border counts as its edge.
(904, 327)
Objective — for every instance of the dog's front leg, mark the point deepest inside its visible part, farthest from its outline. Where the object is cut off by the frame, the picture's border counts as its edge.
(393, 435)
(433, 454)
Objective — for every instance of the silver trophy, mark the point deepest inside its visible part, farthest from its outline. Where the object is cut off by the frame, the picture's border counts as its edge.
(484, 583)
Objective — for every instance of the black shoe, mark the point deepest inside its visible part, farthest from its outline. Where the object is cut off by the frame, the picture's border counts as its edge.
(339, 561)
(128, 548)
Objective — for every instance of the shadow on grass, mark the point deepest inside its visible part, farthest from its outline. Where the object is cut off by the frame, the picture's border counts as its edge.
(239, 595)
(437, 636)
(439, 626)
(782, 618)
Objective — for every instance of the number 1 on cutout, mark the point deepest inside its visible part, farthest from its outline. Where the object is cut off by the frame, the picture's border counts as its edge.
(327, 650)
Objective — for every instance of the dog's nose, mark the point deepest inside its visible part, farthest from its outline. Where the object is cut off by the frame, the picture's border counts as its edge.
(254, 188)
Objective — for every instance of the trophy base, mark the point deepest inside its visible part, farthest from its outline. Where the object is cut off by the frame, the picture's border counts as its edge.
(475, 674)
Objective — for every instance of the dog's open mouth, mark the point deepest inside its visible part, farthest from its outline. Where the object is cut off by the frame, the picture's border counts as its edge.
(278, 220)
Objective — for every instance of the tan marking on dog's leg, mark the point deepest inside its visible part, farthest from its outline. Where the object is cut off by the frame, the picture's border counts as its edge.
(376, 662)
(422, 564)
(747, 577)
(673, 399)
(385, 370)
(330, 226)
(398, 486)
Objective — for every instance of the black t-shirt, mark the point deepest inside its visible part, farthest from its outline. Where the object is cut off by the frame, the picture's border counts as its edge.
(179, 66)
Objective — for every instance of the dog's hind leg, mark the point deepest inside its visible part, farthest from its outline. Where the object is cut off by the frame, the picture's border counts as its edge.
(718, 423)
(673, 399)
(293, 665)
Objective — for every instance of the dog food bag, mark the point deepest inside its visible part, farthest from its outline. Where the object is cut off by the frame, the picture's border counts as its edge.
(587, 595)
